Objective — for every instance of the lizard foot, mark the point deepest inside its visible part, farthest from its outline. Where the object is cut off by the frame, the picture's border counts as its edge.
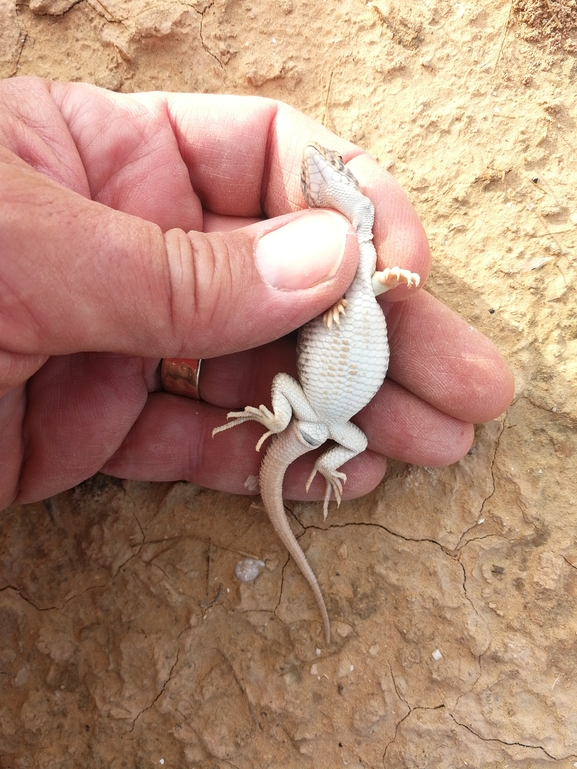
(262, 415)
(332, 315)
(391, 277)
(335, 481)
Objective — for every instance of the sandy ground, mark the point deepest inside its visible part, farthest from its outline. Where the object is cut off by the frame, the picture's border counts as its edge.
(126, 640)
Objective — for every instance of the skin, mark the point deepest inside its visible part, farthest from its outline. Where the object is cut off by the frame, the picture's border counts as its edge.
(134, 227)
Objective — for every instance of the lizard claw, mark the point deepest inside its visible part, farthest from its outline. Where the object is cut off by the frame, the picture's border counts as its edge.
(262, 415)
(310, 479)
(332, 315)
(262, 439)
(335, 481)
(391, 277)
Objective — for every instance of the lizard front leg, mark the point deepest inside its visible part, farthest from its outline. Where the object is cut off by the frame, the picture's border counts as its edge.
(333, 314)
(382, 281)
(391, 277)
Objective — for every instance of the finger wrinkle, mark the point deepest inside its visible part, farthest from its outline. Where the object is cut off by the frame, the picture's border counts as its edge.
(199, 284)
(270, 152)
(222, 142)
(179, 260)
(213, 285)
(12, 444)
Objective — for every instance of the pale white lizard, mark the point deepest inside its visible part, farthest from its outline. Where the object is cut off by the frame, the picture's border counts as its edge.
(342, 359)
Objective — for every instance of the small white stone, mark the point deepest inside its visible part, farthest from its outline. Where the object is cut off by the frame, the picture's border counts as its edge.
(251, 483)
(248, 569)
(436, 655)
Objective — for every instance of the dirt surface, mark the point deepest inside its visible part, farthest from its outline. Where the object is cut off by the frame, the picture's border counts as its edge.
(126, 639)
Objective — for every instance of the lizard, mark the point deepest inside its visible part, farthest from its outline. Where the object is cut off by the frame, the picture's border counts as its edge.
(342, 360)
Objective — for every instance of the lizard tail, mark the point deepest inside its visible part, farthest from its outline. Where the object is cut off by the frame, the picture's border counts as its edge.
(283, 450)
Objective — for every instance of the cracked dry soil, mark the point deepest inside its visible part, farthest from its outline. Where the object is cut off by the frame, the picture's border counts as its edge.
(126, 639)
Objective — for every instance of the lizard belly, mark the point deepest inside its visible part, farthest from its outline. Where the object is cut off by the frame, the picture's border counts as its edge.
(341, 369)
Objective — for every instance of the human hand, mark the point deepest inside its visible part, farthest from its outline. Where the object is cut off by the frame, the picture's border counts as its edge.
(99, 280)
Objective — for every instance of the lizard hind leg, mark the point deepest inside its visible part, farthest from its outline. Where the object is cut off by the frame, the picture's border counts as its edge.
(273, 422)
(287, 396)
(335, 481)
(350, 442)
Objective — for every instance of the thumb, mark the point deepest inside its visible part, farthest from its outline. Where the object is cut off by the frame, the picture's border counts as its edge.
(80, 276)
(255, 284)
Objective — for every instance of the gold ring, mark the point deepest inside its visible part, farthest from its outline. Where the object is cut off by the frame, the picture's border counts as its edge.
(180, 376)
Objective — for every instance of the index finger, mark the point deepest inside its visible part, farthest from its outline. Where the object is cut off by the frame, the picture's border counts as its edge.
(249, 164)
(242, 155)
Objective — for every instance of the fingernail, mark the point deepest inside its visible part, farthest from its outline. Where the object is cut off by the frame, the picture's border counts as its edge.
(303, 253)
